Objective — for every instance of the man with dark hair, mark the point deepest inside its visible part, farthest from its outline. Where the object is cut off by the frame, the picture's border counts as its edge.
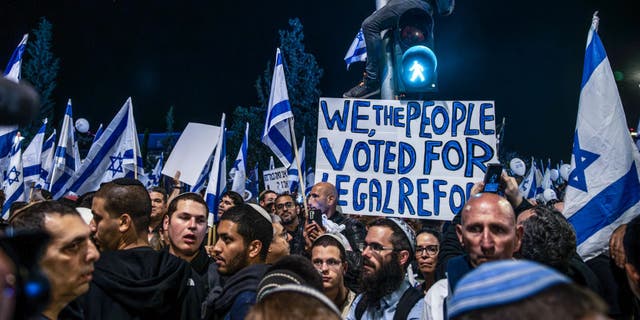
(329, 256)
(289, 212)
(70, 255)
(324, 197)
(158, 210)
(244, 235)
(186, 225)
(387, 293)
(229, 199)
(133, 281)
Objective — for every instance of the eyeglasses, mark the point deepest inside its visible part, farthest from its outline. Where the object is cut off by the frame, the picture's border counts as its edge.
(376, 247)
(431, 250)
(332, 263)
(281, 206)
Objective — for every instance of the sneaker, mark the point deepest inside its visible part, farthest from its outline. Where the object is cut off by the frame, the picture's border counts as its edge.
(364, 89)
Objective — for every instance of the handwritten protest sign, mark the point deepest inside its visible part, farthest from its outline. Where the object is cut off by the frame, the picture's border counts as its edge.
(412, 159)
(276, 180)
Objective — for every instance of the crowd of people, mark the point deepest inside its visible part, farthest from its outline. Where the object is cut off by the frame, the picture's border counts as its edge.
(127, 252)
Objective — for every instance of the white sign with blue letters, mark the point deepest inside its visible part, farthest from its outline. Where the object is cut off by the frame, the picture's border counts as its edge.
(411, 159)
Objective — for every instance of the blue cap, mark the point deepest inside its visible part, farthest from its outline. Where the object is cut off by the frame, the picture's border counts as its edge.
(499, 283)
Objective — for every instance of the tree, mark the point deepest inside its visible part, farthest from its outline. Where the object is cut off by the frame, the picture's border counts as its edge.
(41, 68)
(303, 77)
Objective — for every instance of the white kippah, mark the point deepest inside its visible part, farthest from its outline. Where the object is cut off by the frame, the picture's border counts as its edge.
(261, 211)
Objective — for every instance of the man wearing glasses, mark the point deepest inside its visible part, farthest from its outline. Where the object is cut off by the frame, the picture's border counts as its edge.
(389, 249)
(329, 257)
(289, 213)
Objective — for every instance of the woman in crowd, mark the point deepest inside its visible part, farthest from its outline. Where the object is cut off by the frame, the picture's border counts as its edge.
(427, 247)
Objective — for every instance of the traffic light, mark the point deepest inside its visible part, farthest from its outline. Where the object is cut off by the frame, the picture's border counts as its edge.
(415, 63)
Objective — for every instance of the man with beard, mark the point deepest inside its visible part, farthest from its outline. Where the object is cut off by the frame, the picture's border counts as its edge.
(288, 211)
(387, 293)
(186, 224)
(244, 235)
(131, 280)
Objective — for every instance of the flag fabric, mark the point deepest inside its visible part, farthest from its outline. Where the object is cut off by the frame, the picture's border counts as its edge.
(546, 178)
(638, 136)
(12, 72)
(46, 160)
(32, 159)
(153, 177)
(7, 136)
(603, 190)
(309, 180)
(239, 166)
(217, 182)
(528, 186)
(64, 165)
(97, 135)
(277, 132)
(294, 179)
(357, 51)
(13, 181)
(200, 183)
(253, 183)
(115, 154)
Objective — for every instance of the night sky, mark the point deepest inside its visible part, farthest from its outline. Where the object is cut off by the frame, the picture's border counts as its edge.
(203, 57)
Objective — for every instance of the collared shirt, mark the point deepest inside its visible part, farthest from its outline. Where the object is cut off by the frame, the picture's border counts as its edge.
(388, 305)
(346, 306)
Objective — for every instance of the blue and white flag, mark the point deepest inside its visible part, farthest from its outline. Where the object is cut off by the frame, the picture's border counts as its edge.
(46, 161)
(12, 72)
(294, 179)
(239, 166)
(32, 159)
(116, 154)
(546, 178)
(97, 135)
(13, 181)
(7, 136)
(217, 182)
(153, 178)
(64, 165)
(309, 180)
(528, 186)
(200, 183)
(277, 127)
(357, 51)
(253, 183)
(603, 191)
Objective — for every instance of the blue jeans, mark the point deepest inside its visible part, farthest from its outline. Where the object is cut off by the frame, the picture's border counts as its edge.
(382, 19)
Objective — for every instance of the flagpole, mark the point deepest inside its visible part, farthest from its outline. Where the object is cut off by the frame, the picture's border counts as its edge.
(301, 185)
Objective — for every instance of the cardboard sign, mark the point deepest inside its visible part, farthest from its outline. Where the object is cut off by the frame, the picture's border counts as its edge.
(276, 179)
(191, 152)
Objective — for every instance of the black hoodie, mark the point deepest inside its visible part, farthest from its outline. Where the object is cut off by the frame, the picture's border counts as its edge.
(142, 283)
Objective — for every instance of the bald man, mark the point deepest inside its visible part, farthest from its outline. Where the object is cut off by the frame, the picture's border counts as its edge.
(487, 232)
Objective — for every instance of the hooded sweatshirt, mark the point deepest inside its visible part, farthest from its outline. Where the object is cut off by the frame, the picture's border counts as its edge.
(142, 283)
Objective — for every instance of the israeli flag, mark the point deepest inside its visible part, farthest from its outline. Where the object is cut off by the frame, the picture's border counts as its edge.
(528, 186)
(357, 51)
(294, 180)
(97, 135)
(64, 165)
(153, 178)
(277, 129)
(13, 181)
(217, 182)
(200, 183)
(12, 72)
(32, 159)
(115, 154)
(546, 179)
(7, 135)
(239, 166)
(46, 160)
(603, 190)
(309, 180)
(253, 183)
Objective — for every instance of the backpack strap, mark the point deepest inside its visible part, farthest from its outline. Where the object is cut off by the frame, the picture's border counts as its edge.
(408, 300)
(360, 308)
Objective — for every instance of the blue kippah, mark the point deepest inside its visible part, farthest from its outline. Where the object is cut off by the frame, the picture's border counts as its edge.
(499, 283)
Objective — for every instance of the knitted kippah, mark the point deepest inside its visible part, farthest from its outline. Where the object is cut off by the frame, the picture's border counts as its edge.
(408, 232)
(261, 211)
(308, 291)
(500, 283)
(338, 237)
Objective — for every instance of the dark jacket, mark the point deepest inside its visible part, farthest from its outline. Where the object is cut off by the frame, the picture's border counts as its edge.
(142, 283)
(355, 232)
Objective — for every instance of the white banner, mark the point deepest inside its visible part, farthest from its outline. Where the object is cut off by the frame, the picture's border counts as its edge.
(276, 180)
(411, 159)
(191, 152)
